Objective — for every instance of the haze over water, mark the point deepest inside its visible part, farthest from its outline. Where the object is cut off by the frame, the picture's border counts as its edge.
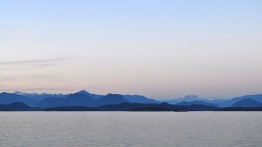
(185, 129)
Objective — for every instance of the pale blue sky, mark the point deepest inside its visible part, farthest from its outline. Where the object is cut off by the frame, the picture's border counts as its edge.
(157, 48)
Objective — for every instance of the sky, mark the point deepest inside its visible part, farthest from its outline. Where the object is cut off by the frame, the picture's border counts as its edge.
(156, 48)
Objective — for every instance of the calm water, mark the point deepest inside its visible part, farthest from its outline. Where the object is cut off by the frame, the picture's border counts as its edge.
(187, 129)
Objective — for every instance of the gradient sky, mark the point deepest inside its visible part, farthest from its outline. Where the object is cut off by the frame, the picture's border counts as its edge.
(157, 48)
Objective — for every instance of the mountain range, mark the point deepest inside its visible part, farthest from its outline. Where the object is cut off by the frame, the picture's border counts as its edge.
(84, 99)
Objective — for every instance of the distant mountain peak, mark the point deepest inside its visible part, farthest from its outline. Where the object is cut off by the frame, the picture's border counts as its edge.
(191, 96)
(83, 92)
(248, 102)
(112, 99)
(139, 99)
(76, 95)
(111, 94)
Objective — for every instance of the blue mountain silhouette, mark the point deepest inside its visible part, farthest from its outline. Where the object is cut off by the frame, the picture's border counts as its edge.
(188, 98)
(111, 99)
(82, 99)
(197, 102)
(7, 98)
(247, 103)
(139, 99)
(95, 96)
(230, 102)
(41, 96)
(77, 99)
(86, 99)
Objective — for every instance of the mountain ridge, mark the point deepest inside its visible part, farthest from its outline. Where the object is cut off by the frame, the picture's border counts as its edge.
(247, 103)
(87, 99)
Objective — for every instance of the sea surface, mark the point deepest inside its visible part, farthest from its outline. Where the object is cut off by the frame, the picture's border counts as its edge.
(129, 129)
